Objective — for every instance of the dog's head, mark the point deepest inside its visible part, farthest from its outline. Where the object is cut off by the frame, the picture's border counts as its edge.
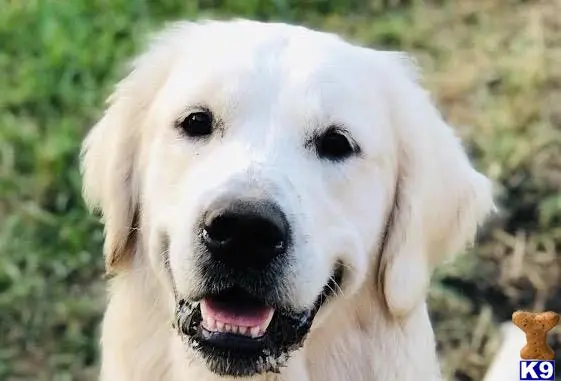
(268, 170)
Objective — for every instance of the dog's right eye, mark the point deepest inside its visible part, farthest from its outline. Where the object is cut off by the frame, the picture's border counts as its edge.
(197, 124)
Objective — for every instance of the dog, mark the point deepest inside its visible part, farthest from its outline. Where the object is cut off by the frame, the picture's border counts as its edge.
(274, 200)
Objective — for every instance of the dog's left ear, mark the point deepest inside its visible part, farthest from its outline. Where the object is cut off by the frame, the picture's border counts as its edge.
(440, 199)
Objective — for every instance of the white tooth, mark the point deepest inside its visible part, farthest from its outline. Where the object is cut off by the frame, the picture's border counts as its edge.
(227, 328)
(255, 331)
(236, 329)
(204, 313)
(244, 331)
(267, 321)
(210, 324)
(219, 326)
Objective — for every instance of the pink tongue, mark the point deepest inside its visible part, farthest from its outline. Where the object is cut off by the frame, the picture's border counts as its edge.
(244, 316)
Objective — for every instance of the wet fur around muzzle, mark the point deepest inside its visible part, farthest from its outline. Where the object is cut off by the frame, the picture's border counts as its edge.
(334, 187)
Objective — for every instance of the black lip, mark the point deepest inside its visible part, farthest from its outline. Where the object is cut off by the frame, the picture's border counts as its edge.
(230, 354)
(286, 330)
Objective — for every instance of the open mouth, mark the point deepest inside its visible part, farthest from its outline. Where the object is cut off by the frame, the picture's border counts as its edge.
(238, 334)
(248, 317)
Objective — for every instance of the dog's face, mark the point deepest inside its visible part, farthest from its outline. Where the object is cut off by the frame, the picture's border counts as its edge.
(272, 170)
(248, 184)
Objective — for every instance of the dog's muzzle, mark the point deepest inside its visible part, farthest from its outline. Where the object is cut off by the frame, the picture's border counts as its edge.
(237, 322)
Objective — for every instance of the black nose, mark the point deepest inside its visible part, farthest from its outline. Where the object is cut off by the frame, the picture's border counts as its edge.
(245, 233)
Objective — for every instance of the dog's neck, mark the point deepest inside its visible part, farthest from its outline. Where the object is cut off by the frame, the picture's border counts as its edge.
(354, 341)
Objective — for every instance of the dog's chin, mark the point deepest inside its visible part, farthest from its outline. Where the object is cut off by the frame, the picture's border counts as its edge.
(258, 338)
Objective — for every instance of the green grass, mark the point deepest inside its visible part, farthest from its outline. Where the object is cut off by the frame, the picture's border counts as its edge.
(492, 65)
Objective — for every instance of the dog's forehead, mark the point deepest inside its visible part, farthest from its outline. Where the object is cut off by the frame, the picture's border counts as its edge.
(239, 61)
(254, 45)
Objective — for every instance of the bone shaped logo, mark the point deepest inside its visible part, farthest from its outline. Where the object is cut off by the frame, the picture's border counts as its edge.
(536, 326)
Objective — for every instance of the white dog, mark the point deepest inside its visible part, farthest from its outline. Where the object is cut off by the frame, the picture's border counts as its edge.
(274, 201)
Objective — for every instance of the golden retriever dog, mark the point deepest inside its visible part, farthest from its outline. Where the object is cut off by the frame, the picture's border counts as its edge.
(274, 201)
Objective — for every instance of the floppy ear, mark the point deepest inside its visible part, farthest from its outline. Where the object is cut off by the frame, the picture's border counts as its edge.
(110, 150)
(440, 199)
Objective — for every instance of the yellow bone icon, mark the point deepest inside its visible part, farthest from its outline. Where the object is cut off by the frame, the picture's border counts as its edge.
(536, 326)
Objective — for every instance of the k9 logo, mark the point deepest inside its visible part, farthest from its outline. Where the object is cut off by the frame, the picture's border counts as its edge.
(536, 370)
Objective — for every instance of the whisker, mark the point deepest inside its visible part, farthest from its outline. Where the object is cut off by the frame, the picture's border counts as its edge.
(339, 291)
(347, 266)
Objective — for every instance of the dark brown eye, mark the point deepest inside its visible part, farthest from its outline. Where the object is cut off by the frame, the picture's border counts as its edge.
(197, 124)
(335, 145)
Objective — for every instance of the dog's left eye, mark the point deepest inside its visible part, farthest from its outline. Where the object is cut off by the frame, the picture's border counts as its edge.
(334, 145)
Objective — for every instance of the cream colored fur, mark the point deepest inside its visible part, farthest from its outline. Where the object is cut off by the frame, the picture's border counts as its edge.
(391, 215)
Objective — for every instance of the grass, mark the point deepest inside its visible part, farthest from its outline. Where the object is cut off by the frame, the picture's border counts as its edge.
(493, 66)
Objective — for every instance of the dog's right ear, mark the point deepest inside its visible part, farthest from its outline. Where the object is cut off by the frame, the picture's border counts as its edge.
(110, 150)
(109, 180)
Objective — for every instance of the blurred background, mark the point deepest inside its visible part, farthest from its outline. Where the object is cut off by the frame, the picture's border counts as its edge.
(494, 67)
